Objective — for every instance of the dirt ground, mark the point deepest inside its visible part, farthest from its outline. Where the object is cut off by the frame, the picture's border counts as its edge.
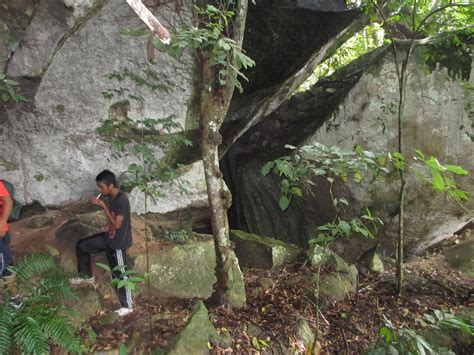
(274, 306)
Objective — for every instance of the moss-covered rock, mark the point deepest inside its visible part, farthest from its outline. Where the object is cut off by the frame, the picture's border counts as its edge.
(184, 270)
(371, 261)
(304, 333)
(337, 286)
(237, 295)
(81, 226)
(318, 255)
(461, 257)
(262, 252)
(196, 334)
(334, 285)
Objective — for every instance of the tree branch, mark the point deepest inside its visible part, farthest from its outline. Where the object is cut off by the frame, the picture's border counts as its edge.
(150, 20)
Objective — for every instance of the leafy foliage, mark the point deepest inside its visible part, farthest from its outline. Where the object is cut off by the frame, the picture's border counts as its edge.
(441, 179)
(8, 90)
(365, 225)
(431, 16)
(128, 278)
(145, 137)
(40, 321)
(399, 14)
(297, 171)
(224, 52)
(316, 160)
(394, 340)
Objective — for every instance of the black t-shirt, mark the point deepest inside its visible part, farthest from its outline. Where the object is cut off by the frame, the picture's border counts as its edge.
(122, 237)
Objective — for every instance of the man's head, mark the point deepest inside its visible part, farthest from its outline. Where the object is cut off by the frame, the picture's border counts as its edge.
(106, 182)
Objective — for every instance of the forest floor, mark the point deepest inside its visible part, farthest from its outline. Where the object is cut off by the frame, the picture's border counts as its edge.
(346, 327)
(274, 307)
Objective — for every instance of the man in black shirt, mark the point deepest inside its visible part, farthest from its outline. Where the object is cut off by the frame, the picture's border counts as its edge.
(115, 241)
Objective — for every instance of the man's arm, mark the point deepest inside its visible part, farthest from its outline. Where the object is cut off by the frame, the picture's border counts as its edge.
(7, 210)
(117, 221)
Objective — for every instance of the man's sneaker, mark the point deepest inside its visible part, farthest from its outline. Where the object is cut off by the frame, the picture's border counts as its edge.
(15, 302)
(123, 311)
(81, 280)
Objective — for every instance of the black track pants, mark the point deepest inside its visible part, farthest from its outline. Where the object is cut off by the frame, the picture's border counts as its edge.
(6, 258)
(96, 244)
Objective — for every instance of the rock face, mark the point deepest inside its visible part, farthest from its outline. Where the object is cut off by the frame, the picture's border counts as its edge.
(355, 107)
(61, 53)
(436, 122)
(52, 149)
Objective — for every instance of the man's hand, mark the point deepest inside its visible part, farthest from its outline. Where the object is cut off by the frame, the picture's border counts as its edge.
(98, 202)
(2, 231)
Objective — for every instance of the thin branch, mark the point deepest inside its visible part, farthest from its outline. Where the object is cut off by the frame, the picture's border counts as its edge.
(150, 20)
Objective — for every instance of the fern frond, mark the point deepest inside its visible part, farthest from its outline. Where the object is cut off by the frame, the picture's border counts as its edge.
(29, 335)
(56, 287)
(33, 264)
(6, 322)
(60, 330)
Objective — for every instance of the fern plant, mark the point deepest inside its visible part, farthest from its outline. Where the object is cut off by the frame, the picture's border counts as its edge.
(40, 321)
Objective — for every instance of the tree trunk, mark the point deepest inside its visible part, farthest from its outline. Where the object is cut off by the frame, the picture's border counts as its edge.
(213, 101)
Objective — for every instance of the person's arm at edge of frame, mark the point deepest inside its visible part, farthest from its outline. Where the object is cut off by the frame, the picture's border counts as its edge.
(117, 221)
(7, 210)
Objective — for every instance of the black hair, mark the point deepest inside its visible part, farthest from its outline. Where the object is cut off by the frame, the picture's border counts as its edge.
(107, 177)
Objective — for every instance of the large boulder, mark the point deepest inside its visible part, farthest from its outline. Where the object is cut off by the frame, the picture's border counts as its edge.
(354, 107)
(188, 270)
(262, 252)
(182, 270)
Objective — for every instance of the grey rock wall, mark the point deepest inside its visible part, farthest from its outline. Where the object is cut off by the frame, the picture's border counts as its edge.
(50, 147)
(356, 106)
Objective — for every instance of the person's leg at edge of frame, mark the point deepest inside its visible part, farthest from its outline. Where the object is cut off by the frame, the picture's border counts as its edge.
(9, 278)
(115, 258)
(84, 248)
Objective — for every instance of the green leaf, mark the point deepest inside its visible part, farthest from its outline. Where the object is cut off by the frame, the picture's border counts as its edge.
(10, 82)
(267, 168)
(296, 191)
(419, 154)
(345, 228)
(255, 343)
(437, 181)
(456, 170)
(284, 203)
(343, 201)
(104, 266)
(123, 349)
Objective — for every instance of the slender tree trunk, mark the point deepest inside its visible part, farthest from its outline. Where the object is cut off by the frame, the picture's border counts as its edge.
(214, 101)
(401, 231)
